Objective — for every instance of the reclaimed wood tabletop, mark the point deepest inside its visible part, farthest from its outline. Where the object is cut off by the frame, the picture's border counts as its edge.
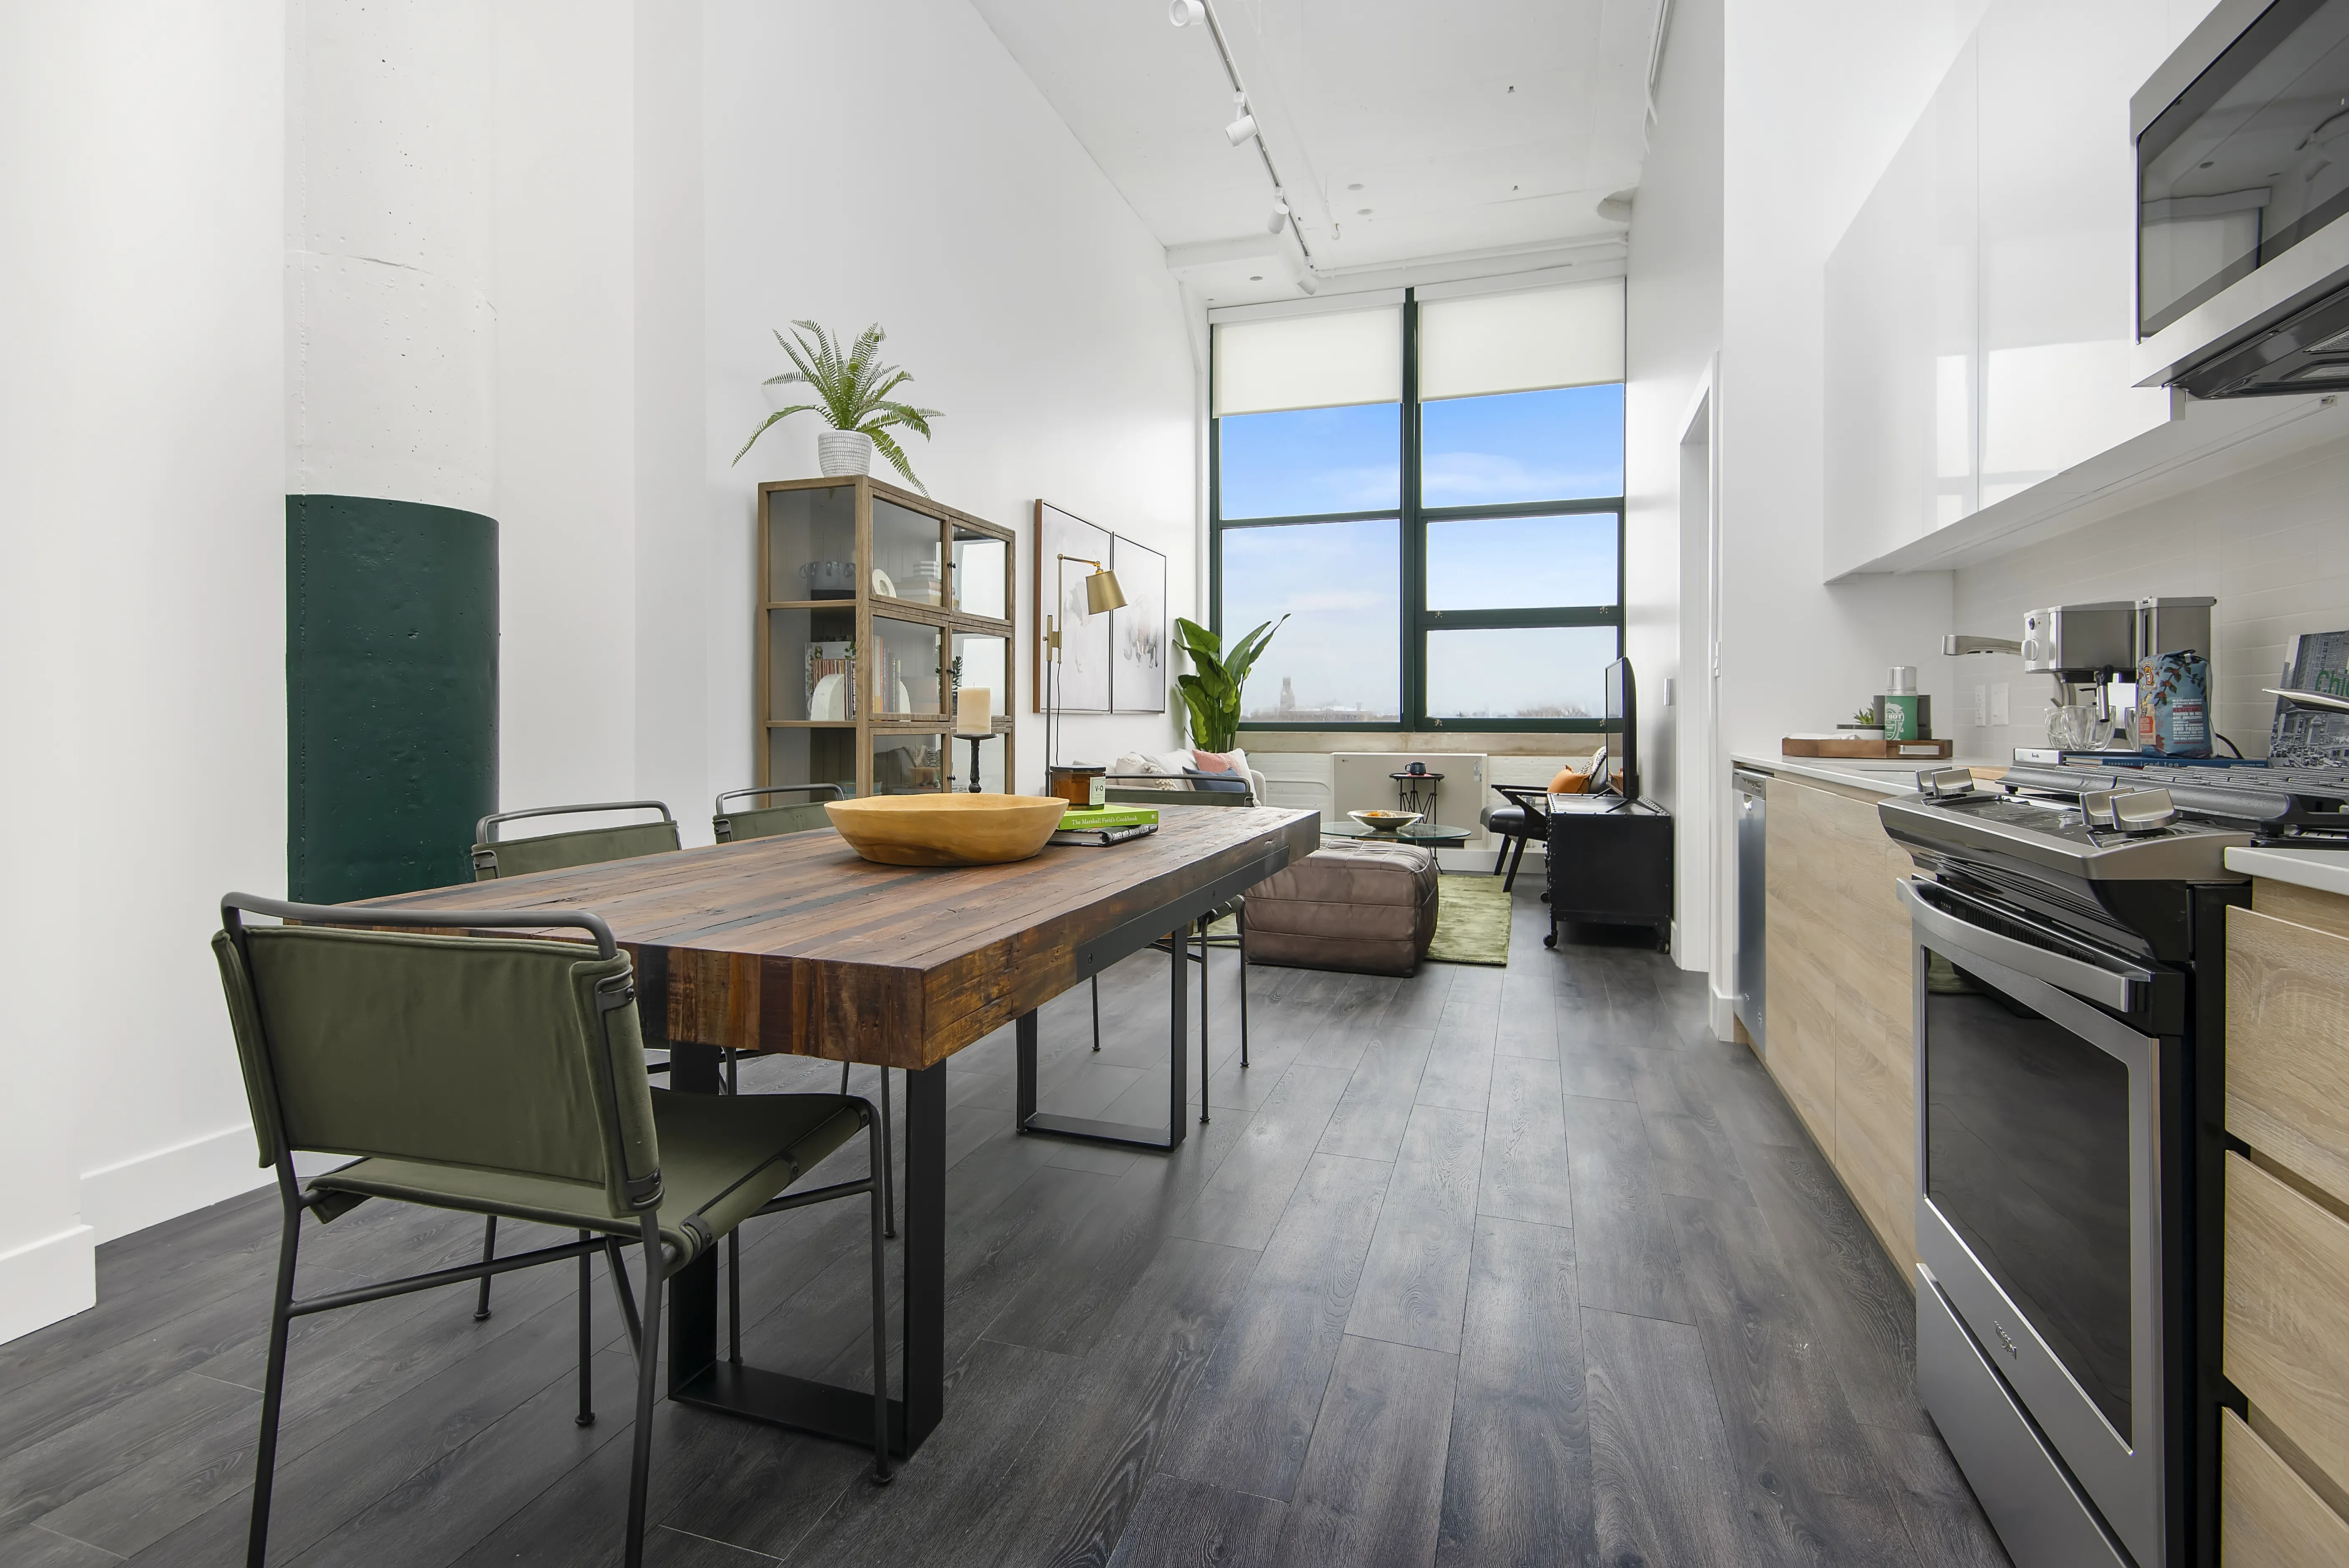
(795, 944)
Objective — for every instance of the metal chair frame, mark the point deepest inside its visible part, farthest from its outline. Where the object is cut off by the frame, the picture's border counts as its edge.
(485, 854)
(485, 862)
(1237, 910)
(639, 1309)
(722, 826)
(1533, 802)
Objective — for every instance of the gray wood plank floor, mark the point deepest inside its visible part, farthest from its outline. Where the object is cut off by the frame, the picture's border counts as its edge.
(1478, 1267)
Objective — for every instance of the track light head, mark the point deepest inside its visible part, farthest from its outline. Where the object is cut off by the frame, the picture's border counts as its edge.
(1307, 284)
(1183, 13)
(1279, 217)
(1241, 130)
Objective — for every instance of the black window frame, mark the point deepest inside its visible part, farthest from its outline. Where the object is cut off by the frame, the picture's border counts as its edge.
(1417, 621)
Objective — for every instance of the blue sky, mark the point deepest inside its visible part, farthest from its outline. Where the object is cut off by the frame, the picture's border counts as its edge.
(1340, 582)
(1520, 446)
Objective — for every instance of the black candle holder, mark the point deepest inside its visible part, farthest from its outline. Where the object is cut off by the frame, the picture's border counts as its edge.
(974, 740)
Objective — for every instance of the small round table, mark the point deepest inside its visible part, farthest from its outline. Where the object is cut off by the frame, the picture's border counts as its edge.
(1435, 835)
(1416, 792)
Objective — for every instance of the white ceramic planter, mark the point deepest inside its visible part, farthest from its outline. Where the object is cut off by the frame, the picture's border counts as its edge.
(840, 453)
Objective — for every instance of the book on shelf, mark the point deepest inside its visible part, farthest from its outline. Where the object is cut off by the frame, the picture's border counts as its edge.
(1090, 817)
(1095, 838)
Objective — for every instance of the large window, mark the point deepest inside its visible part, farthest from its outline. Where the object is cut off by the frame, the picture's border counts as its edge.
(1432, 491)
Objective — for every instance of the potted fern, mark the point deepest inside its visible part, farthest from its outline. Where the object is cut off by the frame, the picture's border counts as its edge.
(853, 395)
(1212, 692)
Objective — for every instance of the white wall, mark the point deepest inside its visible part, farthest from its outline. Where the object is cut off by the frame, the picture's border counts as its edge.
(888, 161)
(1672, 303)
(144, 440)
(2270, 544)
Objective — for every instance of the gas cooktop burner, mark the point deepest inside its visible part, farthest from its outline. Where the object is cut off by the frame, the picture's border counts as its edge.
(2306, 807)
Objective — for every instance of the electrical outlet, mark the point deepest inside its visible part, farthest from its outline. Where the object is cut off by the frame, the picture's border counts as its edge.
(1981, 707)
(1998, 708)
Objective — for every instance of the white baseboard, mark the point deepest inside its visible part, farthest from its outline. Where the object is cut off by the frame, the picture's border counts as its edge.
(1724, 1014)
(149, 1188)
(48, 1280)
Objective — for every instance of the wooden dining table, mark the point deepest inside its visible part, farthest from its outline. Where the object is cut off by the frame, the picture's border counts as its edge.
(795, 944)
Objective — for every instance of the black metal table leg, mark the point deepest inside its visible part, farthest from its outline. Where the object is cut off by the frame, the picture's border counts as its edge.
(1205, 1068)
(699, 1375)
(1029, 1120)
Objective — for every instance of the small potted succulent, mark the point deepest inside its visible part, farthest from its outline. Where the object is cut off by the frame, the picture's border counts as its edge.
(853, 393)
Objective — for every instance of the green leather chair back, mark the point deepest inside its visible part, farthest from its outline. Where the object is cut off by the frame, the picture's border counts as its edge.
(493, 857)
(490, 1053)
(768, 822)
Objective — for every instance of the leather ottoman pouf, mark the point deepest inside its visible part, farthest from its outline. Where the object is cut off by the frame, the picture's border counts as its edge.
(1356, 905)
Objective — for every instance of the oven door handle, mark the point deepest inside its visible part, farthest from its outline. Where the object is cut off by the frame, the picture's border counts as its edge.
(2118, 989)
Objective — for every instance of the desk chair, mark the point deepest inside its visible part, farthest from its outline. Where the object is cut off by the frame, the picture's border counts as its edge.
(1525, 819)
(767, 821)
(771, 821)
(583, 847)
(1236, 908)
(504, 1076)
(494, 858)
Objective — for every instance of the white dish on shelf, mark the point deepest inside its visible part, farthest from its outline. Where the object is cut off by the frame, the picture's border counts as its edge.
(882, 585)
(826, 701)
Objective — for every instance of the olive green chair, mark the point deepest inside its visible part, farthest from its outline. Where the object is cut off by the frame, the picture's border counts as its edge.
(504, 1076)
(768, 822)
(560, 852)
(494, 858)
(806, 817)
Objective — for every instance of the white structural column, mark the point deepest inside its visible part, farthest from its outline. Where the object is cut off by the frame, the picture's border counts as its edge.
(390, 343)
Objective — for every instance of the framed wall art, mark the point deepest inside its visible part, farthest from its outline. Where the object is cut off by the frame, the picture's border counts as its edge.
(1084, 671)
(1137, 682)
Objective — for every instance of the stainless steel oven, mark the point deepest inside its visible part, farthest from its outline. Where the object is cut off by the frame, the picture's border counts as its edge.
(2043, 1220)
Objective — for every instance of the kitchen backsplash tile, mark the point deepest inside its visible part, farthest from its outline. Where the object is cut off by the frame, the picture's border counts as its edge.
(2272, 544)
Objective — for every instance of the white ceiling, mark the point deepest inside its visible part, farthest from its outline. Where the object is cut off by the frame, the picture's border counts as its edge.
(1405, 130)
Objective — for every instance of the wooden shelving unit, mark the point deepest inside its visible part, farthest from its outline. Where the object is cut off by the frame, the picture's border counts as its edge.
(869, 594)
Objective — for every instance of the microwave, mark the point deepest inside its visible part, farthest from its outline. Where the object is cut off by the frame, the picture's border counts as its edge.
(2243, 204)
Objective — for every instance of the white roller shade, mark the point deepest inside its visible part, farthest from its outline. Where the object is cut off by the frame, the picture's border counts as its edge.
(1326, 360)
(1521, 342)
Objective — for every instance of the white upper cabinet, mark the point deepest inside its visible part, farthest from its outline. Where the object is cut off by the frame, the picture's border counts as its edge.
(2058, 236)
(1980, 309)
(1901, 328)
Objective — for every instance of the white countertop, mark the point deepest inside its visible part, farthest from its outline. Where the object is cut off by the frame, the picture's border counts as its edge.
(1892, 776)
(2326, 871)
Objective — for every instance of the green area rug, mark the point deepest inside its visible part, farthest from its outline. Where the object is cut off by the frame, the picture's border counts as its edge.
(1472, 921)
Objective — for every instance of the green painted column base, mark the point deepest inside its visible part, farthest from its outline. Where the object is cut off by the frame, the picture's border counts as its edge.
(391, 687)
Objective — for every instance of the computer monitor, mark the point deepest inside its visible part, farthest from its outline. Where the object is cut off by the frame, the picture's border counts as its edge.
(1622, 732)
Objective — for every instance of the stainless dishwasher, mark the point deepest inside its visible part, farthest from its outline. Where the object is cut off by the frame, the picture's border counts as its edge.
(1752, 875)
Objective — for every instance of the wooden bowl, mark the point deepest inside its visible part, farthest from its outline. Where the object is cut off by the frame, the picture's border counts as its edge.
(946, 829)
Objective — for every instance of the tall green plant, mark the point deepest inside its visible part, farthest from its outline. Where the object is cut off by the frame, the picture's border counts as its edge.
(1212, 692)
(853, 393)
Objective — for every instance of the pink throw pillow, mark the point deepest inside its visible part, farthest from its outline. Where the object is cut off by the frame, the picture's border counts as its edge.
(1215, 761)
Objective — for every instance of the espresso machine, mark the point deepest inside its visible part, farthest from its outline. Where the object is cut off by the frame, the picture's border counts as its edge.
(2092, 652)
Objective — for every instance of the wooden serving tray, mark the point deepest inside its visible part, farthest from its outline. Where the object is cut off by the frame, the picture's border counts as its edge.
(1882, 750)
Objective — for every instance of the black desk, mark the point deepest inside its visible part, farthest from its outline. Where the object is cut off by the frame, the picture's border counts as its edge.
(1611, 863)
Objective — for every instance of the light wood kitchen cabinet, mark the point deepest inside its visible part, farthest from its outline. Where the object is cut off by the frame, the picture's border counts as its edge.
(2287, 1026)
(2268, 1516)
(2285, 1476)
(1841, 992)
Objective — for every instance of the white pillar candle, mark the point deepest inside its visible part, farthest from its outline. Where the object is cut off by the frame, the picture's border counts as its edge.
(974, 711)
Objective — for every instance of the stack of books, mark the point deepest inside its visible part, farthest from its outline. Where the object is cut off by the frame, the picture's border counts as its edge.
(1097, 825)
